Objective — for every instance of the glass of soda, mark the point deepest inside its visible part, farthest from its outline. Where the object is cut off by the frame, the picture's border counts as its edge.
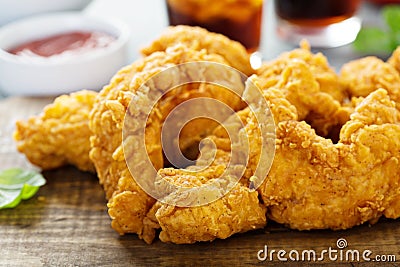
(324, 23)
(239, 20)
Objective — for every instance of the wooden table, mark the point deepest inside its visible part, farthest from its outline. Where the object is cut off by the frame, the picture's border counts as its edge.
(66, 224)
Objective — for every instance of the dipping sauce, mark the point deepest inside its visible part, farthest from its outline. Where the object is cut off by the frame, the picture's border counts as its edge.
(76, 42)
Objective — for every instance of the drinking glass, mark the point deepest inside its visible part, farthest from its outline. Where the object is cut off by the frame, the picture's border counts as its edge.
(324, 23)
(239, 20)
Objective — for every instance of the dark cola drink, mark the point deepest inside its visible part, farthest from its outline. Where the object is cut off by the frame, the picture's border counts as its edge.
(239, 20)
(324, 23)
(316, 12)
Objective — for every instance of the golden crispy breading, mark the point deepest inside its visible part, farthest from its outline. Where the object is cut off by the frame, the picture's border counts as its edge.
(281, 109)
(317, 64)
(312, 180)
(363, 76)
(128, 208)
(108, 114)
(60, 134)
(198, 38)
(315, 184)
(129, 205)
(394, 60)
(300, 87)
(238, 211)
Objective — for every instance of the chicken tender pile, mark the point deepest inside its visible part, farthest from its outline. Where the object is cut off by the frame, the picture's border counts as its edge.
(337, 140)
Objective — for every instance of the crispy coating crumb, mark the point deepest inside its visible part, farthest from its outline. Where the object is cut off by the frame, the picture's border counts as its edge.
(317, 64)
(60, 134)
(198, 38)
(238, 211)
(363, 76)
(300, 86)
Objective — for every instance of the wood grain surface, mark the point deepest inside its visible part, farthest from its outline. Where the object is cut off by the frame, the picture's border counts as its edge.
(66, 224)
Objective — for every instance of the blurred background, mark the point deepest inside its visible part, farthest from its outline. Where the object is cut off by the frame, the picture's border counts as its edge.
(147, 19)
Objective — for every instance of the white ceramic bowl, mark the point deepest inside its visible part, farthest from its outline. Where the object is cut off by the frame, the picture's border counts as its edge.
(53, 76)
(15, 9)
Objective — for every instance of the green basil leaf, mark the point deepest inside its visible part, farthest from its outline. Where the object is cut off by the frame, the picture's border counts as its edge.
(9, 199)
(17, 184)
(381, 41)
(373, 40)
(396, 39)
(391, 15)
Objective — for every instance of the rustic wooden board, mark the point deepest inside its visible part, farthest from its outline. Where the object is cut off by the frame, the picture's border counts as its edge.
(66, 224)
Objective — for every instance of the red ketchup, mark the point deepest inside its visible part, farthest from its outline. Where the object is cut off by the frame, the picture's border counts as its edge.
(76, 42)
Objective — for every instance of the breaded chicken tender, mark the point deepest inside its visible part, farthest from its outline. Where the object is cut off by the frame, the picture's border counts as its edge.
(108, 115)
(300, 86)
(60, 134)
(238, 211)
(129, 204)
(315, 184)
(198, 38)
(363, 76)
(318, 65)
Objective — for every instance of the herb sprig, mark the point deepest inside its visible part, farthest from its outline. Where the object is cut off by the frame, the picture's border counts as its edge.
(18, 184)
(378, 40)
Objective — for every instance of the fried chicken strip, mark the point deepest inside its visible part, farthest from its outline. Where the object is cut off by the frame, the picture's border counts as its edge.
(198, 38)
(365, 75)
(240, 209)
(108, 115)
(129, 204)
(315, 184)
(299, 84)
(60, 134)
(318, 65)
